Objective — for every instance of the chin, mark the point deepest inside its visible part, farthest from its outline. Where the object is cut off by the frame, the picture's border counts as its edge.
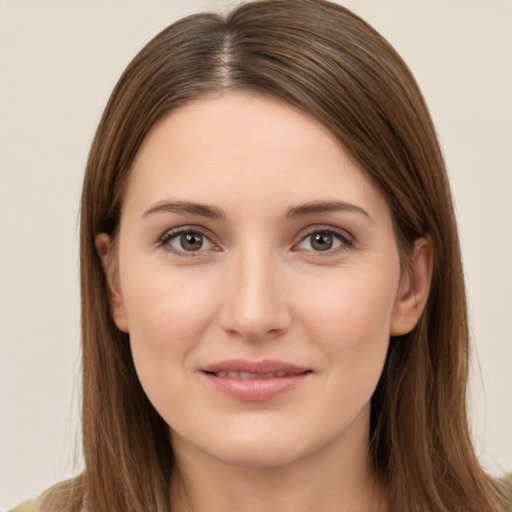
(262, 446)
(258, 446)
(258, 455)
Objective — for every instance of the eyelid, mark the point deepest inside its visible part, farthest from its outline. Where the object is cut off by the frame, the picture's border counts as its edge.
(167, 236)
(346, 239)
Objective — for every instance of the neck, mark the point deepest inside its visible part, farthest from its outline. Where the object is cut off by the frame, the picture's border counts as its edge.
(336, 478)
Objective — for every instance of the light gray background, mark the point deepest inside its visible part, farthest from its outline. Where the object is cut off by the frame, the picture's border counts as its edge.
(58, 63)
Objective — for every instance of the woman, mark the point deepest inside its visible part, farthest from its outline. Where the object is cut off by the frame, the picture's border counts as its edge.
(273, 304)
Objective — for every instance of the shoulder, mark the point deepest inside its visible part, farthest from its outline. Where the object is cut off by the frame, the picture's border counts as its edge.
(66, 496)
(26, 506)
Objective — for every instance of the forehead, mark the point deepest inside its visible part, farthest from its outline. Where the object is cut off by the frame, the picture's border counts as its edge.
(248, 147)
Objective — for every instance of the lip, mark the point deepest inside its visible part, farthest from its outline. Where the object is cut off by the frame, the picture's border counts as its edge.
(254, 381)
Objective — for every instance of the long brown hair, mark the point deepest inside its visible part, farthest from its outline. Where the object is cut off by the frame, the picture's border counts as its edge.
(321, 58)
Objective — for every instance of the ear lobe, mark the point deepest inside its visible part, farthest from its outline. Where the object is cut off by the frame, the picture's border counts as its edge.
(106, 252)
(414, 289)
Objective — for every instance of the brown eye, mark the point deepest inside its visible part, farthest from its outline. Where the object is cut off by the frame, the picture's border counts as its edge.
(191, 241)
(322, 241)
(325, 240)
(182, 242)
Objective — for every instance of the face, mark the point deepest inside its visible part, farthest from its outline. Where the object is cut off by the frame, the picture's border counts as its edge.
(258, 277)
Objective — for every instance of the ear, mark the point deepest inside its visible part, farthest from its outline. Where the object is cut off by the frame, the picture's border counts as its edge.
(108, 258)
(414, 289)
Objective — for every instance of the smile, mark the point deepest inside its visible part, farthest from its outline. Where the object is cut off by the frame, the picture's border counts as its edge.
(248, 375)
(254, 381)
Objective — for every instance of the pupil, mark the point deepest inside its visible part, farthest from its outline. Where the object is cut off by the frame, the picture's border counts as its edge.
(191, 241)
(322, 241)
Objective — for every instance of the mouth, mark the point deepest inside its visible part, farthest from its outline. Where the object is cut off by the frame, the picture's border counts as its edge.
(249, 375)
(255, 381)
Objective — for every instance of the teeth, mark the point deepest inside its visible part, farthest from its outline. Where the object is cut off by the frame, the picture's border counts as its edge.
(248, 375)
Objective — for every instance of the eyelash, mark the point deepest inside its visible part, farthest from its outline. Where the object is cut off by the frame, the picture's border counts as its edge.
(340, 235)
(171, 235)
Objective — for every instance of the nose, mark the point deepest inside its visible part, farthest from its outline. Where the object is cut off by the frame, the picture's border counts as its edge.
(255, 305)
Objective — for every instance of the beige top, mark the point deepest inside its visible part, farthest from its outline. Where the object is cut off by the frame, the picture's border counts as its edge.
(35, 505)
(31, 506)
(54, 499)
(27, 506)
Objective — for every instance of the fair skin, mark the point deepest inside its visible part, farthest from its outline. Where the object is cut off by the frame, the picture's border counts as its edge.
(251, 242)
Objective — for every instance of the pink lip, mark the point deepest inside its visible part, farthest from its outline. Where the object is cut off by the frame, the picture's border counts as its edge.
(257, 388)
(242, 365)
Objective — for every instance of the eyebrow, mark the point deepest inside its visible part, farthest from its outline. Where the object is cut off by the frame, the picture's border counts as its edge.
(203, 210)
(212, 212)
(317, 207)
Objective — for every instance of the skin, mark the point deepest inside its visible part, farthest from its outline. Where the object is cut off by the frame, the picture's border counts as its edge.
(258, 288)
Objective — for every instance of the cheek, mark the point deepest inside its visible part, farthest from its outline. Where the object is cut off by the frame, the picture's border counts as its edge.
(350, 318)
(166, 313)
(353, 303)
